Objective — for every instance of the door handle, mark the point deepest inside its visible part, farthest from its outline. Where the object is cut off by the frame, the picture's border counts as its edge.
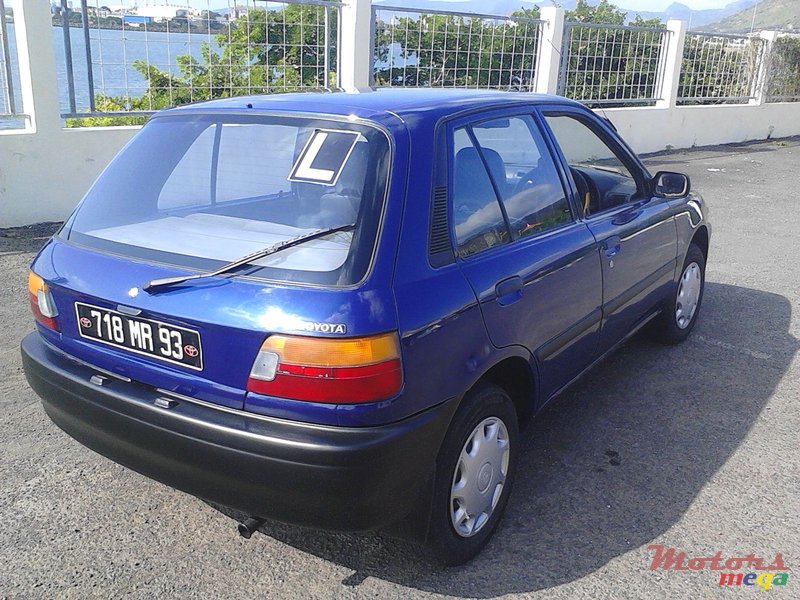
(509, 290)
(612, 246)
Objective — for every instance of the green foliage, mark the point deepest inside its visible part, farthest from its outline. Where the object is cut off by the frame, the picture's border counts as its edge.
(719, 69)
(448, 50)
(265, 51)
(608, 65)
(268, 51)
(783, 80)
(769, 14)
(111, 104)
(603, 13)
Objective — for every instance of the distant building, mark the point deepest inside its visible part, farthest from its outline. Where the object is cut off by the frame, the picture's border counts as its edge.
(136, 20)
(101, 12)
(163, 13)
(237, 11)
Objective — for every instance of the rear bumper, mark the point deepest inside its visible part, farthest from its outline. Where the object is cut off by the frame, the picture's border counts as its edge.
(320, 476)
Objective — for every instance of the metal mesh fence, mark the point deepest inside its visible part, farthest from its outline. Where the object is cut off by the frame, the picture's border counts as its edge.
(414, 47)
(10, 102)
(612, 64)
(720, 69)
(783, 71)
(139, 59)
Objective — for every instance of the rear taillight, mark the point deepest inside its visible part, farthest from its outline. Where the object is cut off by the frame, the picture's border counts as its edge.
(42, 304)
(338, 371)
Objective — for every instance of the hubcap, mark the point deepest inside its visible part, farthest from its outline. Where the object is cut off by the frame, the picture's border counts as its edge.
(688, 295)
(479, 476)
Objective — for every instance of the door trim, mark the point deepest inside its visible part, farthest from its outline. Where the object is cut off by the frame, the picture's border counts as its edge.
(558, 343)
(612, 306)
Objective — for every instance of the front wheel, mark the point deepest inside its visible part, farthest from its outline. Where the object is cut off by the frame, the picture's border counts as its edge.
(474, 473)
(680, 312)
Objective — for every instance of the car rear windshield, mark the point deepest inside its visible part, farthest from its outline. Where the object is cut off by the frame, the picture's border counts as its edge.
(200, 191)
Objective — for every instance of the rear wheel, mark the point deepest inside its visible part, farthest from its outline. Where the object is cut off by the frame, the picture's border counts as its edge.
(680, 312)
(474, 473)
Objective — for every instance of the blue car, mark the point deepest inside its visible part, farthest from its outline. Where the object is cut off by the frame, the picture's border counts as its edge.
(339, 310)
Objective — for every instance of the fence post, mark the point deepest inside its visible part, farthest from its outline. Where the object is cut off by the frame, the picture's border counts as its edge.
(33, 27)
(550, 50)
(671, 63)
(762, 81)
(355, 49)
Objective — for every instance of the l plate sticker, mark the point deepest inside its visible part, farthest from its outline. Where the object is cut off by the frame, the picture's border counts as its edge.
(324, 156)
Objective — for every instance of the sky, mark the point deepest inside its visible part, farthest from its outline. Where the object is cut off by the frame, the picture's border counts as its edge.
(646, 5)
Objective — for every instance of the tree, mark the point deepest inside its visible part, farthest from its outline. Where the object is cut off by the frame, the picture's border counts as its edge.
(783, 79)
(455, 51)
(611, 65)
(264, 51)
(604, 12)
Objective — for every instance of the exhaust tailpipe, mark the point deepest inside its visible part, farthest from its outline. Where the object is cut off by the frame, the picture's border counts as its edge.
(249, 526)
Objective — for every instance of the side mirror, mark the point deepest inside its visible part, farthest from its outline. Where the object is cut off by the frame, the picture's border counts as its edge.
(671, 185)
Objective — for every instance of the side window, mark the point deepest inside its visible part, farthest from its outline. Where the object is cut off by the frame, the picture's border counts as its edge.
(602, 177)
(524, 173)
(477, 218)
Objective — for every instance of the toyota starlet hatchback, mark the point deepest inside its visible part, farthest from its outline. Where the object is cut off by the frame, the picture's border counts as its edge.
(338, 310)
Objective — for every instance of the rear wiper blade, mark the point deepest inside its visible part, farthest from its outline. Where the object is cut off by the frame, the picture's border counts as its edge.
(264, 252)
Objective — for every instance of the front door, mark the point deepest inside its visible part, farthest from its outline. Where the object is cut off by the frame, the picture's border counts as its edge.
(534, 268)
(636, 233)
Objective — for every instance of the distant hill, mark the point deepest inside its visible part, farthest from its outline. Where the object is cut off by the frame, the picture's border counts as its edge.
(696, 18)
(676, 10)
(769, 14)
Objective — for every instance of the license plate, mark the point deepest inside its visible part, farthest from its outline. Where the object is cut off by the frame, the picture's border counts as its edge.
(165, 342)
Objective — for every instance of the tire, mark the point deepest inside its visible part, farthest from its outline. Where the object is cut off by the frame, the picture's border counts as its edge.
(487, 415)
(679, 316)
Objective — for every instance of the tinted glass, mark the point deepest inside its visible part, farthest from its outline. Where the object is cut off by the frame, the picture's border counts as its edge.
(201, 191)
(477, 218)
(524, 173)
(601, 175)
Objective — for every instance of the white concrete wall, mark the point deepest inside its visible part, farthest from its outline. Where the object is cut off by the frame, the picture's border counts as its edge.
(46, 169)
(44, 175)
(650, 129)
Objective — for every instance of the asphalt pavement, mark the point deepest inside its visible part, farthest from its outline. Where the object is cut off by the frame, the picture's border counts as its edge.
(693, 447)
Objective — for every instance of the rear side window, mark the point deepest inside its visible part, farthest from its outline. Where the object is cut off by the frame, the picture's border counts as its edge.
(505, 184)
(198, 191)
(524, 173)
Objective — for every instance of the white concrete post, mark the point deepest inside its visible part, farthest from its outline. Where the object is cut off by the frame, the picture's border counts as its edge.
(355, 46)
(763, 69)
(552, 35)
(671, 63)
(37, 64)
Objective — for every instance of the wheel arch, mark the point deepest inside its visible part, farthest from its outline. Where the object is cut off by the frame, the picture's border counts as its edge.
(701, 240)
(516, 376)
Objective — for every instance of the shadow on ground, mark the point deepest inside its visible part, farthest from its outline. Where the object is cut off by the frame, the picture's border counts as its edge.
(613, 464)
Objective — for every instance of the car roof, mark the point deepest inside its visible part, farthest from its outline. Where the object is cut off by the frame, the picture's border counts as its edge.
(377, 104)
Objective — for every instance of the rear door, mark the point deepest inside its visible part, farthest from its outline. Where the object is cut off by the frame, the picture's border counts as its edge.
(636, 233)
(533, 267)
